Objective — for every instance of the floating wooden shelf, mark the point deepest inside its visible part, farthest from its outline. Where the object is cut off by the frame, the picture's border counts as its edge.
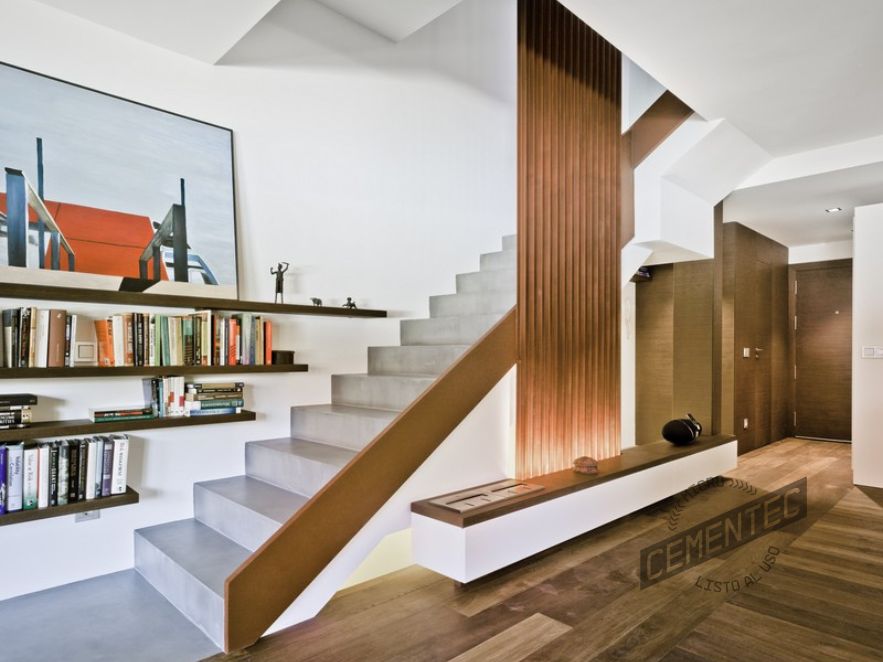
(19, 516)
(145, 371)
(86, 295)
(85, 426)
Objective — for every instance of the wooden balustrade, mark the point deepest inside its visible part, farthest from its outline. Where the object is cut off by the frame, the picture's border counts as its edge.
(271, 579)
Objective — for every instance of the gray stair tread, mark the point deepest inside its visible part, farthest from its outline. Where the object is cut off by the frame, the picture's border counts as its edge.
(200, 550)
(104, 619)
(256, 495)
(325, 453)
(349, 410)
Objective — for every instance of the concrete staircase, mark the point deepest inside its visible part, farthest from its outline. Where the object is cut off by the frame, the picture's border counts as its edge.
(189, 560)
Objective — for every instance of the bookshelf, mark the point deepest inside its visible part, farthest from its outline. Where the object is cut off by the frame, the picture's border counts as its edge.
(117, 298)
(84, 426)
(146, 371)
(18, 516)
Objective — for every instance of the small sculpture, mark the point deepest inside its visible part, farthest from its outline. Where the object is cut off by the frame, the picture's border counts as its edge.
(682, 431)
(585, 465)
(350, 303)
(316, 301)
(280, 283)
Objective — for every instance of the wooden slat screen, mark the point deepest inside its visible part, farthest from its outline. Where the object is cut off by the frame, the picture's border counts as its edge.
(568, 240)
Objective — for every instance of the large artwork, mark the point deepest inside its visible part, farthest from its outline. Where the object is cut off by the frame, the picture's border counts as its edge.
(97, 191)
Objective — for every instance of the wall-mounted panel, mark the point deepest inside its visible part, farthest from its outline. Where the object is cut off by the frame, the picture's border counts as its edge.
(569, 241)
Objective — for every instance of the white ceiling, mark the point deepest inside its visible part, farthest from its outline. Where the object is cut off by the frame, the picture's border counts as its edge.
(394, 19)
(793, 212)
(202, 29)
(208, 29)
(791, 74)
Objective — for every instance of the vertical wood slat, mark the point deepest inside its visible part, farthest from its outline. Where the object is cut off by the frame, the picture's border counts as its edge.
(568, 240)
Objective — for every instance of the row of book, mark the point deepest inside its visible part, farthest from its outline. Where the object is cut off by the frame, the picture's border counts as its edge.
(203, 338)
(46, 338)
(170, 397)
(56, 473)
(15, 410)
(37, 338)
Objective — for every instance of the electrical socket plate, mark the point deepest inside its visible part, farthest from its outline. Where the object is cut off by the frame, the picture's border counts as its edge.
(87, 515)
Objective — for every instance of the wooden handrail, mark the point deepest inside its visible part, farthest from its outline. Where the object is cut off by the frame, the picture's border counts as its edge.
(271, 579)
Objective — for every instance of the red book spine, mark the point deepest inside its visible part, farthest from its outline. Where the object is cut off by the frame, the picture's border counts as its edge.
(232, 342)
(268, 342)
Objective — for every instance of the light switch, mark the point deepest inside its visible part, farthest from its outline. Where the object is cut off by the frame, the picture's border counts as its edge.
(878, 352)
(744, 423)
(746, 352)
(868, 352)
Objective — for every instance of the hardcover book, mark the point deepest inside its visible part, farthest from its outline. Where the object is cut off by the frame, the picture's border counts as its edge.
(31, 472)
(14, 476)
(73, 492)
(53, 474)
(107, 467)
(120, 463)
(63, 472)
(56, 339)
(43, 476)
(3, 478)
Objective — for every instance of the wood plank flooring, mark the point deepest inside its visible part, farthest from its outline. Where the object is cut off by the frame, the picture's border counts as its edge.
(821, 599)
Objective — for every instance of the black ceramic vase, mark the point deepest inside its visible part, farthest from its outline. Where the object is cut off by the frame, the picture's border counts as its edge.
(682, 431)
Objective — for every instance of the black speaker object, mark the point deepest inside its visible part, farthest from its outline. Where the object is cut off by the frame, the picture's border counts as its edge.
(682, 431)
(282, 357)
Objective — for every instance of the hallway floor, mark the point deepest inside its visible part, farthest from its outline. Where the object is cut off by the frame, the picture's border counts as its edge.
(821, 598)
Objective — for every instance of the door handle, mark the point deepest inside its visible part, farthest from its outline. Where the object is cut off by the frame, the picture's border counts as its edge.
(757, 351)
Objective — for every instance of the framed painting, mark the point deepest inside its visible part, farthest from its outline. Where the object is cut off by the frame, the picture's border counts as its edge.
(101, 192)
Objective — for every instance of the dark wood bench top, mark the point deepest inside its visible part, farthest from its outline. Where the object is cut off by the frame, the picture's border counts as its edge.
(561, 483)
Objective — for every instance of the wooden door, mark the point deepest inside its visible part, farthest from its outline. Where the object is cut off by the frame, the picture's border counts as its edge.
(823, 351)
(763, 329)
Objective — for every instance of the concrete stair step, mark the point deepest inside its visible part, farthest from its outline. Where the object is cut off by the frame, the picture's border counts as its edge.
(487, 281)
(498, 260)
(393, 392)
(244, 509)
(471, 303)
(510, 242)
(339, 425)
(296, 465)
(413, 359)
(188, 563)
(463, 330)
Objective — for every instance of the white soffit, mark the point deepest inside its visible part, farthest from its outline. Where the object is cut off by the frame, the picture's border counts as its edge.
(791, 74)
(394, 19)
(202, 29)
(793, 212)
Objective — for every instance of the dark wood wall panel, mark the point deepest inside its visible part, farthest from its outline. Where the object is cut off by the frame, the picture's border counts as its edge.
(568, 240)
(674, 347)
(754, 314)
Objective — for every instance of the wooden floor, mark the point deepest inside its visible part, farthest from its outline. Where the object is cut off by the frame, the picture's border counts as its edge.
(822, 599)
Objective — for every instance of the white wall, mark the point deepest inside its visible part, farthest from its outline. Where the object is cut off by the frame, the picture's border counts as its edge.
(831, 250)
(377, 170)
(627, 365)
(867, 330)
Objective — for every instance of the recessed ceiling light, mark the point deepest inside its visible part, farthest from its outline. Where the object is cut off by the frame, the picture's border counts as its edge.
(834, 209)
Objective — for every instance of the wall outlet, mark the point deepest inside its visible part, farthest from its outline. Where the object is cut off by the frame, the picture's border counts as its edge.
(87, 515)
(744, 423)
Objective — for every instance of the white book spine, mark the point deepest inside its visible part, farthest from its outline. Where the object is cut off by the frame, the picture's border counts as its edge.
(63, 472)
(99, 465)
(72, 359)
(91, 458)
(42, 352)
(151, 340)
(119, 340)
(43, 476)
(14, 476)
(29, 483)
(120, 464)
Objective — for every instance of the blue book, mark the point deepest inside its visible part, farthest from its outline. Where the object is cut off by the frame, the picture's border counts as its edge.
(214, 412)
(3, 454)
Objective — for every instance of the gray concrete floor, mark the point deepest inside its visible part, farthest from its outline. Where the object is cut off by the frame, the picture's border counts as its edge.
(117, 617)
